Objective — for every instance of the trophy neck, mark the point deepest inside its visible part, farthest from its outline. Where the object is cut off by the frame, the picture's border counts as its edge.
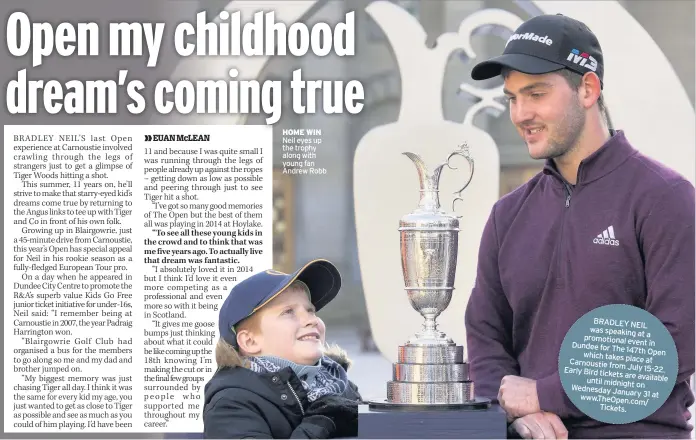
(429, 334)
(429, 197)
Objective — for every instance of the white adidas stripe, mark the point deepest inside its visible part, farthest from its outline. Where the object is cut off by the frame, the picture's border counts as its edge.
(607, 233)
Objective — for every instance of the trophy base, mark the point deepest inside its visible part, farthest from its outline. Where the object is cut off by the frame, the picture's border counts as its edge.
(477, 404)
(431, 375)
(430, 393)
(402, 372)
(431, 354)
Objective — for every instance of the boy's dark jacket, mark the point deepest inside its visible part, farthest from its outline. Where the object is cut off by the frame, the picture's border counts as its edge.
(240, 403)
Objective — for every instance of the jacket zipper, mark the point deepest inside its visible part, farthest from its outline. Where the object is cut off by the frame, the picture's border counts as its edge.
(568, 192)
(296, 398)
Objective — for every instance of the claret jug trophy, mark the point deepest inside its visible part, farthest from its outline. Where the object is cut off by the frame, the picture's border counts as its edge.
(430, 372)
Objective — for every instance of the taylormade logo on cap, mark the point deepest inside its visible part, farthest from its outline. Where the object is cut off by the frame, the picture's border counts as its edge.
(532, 37)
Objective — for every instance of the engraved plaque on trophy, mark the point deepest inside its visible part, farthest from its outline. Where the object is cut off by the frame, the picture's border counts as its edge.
(430, 372)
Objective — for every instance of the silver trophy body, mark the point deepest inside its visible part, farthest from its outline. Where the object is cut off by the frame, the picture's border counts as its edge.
(430, 372)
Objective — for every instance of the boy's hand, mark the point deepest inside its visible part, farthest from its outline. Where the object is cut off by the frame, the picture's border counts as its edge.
(343, 412)
(541, 425)
(518, 396)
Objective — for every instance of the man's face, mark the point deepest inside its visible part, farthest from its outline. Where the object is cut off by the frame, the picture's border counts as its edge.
(289, 328)
(546, 112)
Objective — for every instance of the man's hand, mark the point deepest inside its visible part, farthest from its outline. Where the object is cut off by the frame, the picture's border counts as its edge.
(518, 396)
(541, 425)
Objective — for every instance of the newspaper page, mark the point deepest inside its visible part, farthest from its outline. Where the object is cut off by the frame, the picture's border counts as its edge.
(123, 243)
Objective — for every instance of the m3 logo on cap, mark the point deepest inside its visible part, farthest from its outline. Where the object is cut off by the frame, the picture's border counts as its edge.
(582, 59)
(532, 37)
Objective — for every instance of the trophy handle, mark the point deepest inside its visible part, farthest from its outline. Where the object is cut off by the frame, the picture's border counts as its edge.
(463, 152)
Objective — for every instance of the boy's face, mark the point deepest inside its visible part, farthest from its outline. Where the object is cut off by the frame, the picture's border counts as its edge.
(286, 327)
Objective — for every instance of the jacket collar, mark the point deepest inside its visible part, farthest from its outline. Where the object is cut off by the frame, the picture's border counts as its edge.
(615, 151)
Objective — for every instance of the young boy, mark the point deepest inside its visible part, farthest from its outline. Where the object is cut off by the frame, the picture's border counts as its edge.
(275, 379)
